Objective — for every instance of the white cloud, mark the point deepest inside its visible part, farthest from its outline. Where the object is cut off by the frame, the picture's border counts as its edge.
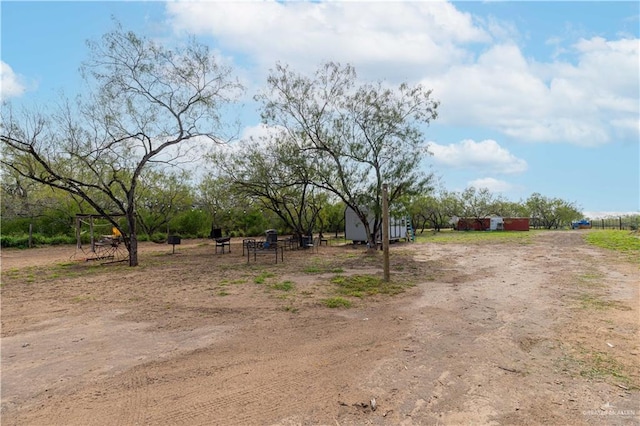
(485, 155)
(589, 99)
(258, 131)
(493, 185)
(584, 104)
(10, 83)
(608, 215)
(255, 135)
(397, 39)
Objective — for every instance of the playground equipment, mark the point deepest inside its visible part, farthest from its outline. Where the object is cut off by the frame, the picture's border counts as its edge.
(109, 248)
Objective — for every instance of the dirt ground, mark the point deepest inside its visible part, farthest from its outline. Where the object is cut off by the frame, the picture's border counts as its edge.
(509, 333)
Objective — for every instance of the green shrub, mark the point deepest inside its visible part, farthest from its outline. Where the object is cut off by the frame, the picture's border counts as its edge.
(22, 240)
(190, 223)
(58, 240)
(158, 237)
(15, 241)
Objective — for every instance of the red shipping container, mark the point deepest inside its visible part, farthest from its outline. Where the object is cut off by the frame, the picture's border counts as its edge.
(483, 224)
(470, 224)
(516, 224)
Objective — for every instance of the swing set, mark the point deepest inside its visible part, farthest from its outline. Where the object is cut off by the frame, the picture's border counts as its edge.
(109, 248)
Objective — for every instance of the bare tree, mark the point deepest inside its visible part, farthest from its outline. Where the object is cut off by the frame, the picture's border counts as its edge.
(145, 103)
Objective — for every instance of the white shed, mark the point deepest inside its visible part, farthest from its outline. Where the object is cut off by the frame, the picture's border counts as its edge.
(496, 223)
(354, 228)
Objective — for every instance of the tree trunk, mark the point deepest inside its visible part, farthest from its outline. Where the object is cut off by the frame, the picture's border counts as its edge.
(371, 239)
(133, 239)
(133, 250)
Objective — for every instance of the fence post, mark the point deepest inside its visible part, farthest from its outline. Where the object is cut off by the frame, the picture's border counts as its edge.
(385, 232)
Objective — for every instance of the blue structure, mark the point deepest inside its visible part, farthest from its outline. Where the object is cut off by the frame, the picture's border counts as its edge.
(581, 224)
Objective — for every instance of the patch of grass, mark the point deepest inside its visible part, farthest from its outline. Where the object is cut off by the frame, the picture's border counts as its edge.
(590, 280)
(223, 293)
(624, 242)
(283, 286)
(590, 301)
(322, 267)
(313, 269)
(13, 272)
(477, 237)
(365, 285)
(227, 282)
(598, 365)
(83, 298)
(290, 308)
(260, 279)
(337, 302)
(33, 274)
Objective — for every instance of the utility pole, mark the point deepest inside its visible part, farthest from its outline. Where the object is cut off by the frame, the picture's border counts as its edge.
(385, 231)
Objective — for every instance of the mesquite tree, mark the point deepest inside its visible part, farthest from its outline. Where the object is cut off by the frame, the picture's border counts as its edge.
(354, 136)
(271, 171)
(145, 103)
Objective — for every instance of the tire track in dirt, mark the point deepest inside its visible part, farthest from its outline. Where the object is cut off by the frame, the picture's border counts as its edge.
(137, 402)
(477, 341)
(495, 337)
(230, 383)
(281, 383)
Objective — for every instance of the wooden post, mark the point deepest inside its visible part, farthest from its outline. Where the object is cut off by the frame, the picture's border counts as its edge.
(31, 235)
(385, 231)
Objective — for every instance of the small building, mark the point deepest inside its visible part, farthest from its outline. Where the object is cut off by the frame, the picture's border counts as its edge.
(355, 231)
(494, 223)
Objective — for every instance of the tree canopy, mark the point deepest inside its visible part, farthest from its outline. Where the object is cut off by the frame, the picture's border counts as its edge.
(353, 136)
(145, 102)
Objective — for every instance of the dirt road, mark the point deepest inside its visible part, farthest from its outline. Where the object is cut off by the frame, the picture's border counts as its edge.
(542, 332)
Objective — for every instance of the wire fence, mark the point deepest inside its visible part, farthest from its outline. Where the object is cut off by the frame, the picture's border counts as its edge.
(622, 223)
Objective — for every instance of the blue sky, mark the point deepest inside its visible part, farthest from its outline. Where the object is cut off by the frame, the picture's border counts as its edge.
(535, 96)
